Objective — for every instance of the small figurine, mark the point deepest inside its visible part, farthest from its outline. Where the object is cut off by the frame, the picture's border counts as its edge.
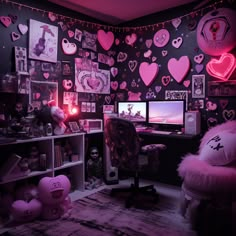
(94, 169)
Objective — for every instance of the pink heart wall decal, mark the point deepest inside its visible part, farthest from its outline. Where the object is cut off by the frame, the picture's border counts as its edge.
(179, 68)
(114, 85)
(5, 20)
(222, 68)
(23, 28)
(114, 71)
(106, 39)
(130, 39)
(148, 72)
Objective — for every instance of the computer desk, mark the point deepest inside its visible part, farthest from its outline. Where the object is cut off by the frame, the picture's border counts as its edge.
(178, 145)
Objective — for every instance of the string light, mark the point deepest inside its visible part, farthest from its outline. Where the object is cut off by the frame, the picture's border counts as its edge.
(114, 28)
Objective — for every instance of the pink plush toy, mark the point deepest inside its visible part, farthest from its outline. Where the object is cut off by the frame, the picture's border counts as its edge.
(53, 190)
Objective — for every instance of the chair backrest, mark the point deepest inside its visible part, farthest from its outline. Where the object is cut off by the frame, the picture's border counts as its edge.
(123, 141)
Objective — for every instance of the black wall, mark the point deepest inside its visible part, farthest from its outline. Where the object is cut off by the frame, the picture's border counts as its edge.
(129, 82)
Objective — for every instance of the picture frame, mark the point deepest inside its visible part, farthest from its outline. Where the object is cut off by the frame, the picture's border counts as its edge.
(221, 88)
(23, 82)
(198, 86)
(43, 41)
(42, 92)
(177, 95)
(74, 127)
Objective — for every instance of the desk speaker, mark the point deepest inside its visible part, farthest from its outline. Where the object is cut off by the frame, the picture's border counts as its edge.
(192, 122)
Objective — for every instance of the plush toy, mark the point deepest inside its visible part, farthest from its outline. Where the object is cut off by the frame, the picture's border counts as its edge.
(53, 192)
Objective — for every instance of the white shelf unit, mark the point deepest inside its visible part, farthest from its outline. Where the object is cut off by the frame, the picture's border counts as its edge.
(74, 169)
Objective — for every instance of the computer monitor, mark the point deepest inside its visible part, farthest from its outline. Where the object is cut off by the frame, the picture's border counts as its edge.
(167, 114)
(135, 111)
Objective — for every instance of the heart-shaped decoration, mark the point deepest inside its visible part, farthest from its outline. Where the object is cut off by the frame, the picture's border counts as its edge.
(148, 72)
(46, 75)
(15, 36)
(93, 83)
(114, 85)
(110, 61)
(131, 39)
(71, 33)
(186, 83)
(132, 65)
(36, 96)
(228, 114)
(222, 68)
(165, 80)
(154, 59)
(137, 54)
(199, 58)
(148, 43)
(53, 190)
(223, 103)
(67, 84)
(164, 53)
(161, 38)
(121, 57)
(179, 68)
(67, 47)
(5, 20)
(23, 211)
(211, 122)
(117, 42)
(52, 17)
(114, 71)
(123, 85)
(148, 53)
(23, 28)
(13, 18)
(108, 99)
(157, 89)
(211, 106)
(177, 42)
(106, 39)
(199, 68)
(176, 22)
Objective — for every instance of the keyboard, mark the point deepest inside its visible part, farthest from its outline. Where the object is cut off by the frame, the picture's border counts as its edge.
(160, 132)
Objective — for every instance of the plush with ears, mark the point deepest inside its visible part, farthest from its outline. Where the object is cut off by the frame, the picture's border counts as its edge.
(53, 190)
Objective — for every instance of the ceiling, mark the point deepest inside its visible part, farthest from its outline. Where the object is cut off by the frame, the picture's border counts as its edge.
(115, 12)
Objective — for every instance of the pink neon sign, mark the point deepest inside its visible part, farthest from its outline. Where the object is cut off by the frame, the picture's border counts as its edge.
(222, 68)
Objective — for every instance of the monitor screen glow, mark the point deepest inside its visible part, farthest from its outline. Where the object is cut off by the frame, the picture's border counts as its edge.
(169, 112)
(133, 111)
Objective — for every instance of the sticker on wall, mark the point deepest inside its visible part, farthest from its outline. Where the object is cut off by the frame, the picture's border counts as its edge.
(105, 59)
(67, 84)
(67, 47)
(165, 80)
(179, 68)
(106, 39)
(51, 16)
(132, 96)
(20, 59)
(5, 20)
(114, 71)
(164, 53)
(199, 58)
(132, 65)
(78, 35)
(15, 36)
(147, 54)
(123, 85)
(122, 56)
(222, 68)
(150, 94)
(186, 83)
(89, 41)
(114, 85)
(148, 43)
(177, 42)
(198, 86)
(228, 114)
(216, 32)
(148, 72)
(211, 106)
(199, 68)
(161, 38)
(46, 75)
(131, 39)
(23, 28)
(70, 33)
(176, 22)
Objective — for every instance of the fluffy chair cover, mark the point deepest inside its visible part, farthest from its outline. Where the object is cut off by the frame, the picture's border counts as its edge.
(201, 176)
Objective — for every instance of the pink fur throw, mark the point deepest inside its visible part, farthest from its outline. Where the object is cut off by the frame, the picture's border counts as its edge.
(202, 176)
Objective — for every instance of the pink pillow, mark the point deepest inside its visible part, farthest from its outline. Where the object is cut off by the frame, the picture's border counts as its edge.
(220, 149)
